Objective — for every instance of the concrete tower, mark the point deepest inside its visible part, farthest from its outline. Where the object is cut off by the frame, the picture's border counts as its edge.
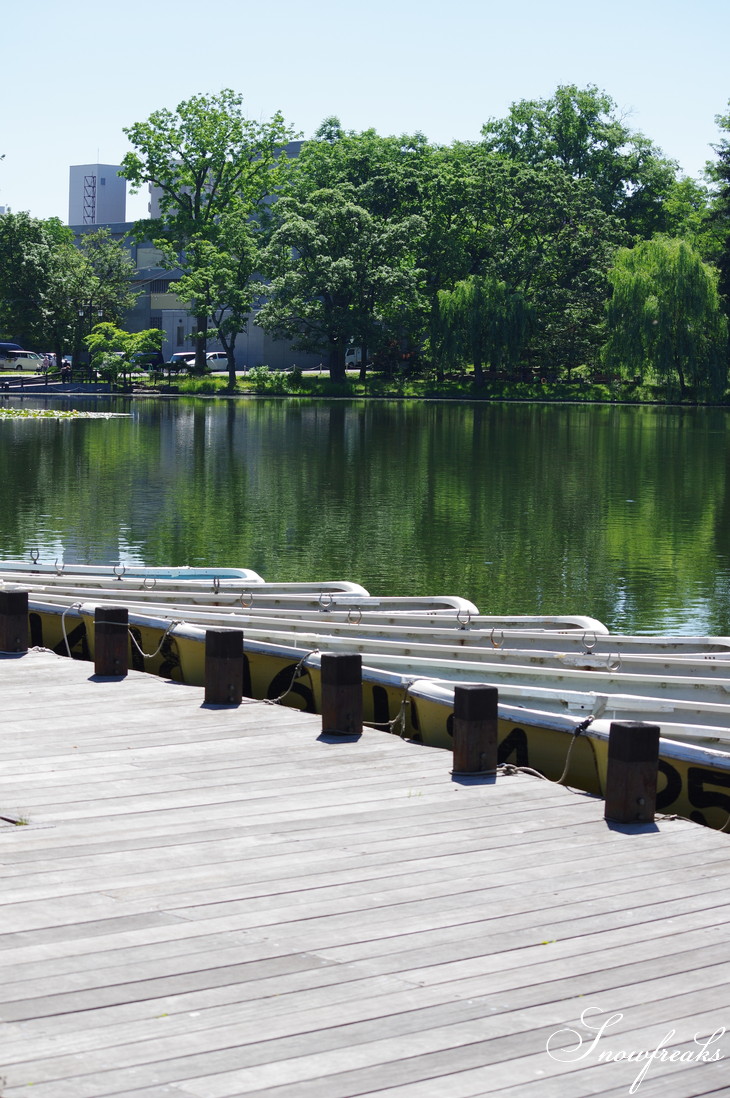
(97, 195)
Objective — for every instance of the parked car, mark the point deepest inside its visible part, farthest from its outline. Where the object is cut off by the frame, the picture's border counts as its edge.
(182, 358)
(23, 360)
(217, 360)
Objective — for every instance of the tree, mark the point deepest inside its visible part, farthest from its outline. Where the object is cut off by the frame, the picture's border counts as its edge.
(338, 273)
(218, 283)
(579, 130)
(535, 229)
(26, 248)
(207, 160)
(719, 173)
(481, 318)
(664, 316)
(372, 185)
(46, 284)
(113, 269)
(112, 349)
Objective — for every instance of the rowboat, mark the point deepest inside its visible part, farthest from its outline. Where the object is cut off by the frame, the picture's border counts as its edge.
(695, 692)
(445, 653)
(548, 730)
(213, 588)
(35, 567)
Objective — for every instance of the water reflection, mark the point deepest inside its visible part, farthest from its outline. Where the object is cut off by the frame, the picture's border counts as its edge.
(620, 513)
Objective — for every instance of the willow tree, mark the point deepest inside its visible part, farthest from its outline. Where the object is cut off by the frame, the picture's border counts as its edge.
(664, 317)
(483, 320)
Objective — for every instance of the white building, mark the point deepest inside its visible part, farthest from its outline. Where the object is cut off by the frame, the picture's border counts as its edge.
(97, 195)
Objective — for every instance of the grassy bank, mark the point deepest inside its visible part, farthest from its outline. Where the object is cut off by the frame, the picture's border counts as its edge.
(262, 382)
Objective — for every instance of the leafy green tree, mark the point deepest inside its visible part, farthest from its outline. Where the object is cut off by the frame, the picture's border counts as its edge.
(665, 317)
(27, 245)
(687, 215)
(481, 318)
(719, 173)
(384, 174)
(207, 160)
(337, 273)
(380, 178)
(218, 282)
(47, 285)
(535, 229)
(112, 349)
(111, 266)
(579, 130)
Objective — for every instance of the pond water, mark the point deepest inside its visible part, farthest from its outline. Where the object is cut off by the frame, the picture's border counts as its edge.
(621, 513)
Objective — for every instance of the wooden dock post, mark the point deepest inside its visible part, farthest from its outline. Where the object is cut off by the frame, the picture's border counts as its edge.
(223, 666)
(111, 641)
(631, 779)
(13, 621)
(475, 729)
(341, 693)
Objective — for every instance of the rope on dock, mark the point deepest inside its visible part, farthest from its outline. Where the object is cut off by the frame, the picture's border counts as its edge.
(511, 768)
(72, 606)
(135, 642)
(295, 676)
(398, 724)
(163, 638)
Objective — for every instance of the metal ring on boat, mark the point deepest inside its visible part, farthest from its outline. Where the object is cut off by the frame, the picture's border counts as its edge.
(494, 642)
(463, 622)
(246, 595)
(613, 663)
(59, 571)
(589, 647)
(119, 570)
(149, 583)
(35, 556)
(328, 604)
(352, 620)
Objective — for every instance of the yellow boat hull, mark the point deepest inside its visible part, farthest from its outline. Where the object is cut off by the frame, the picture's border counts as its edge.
(694, 781)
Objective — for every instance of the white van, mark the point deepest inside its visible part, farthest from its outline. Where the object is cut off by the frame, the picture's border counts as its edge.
(22, 360)
(217, 360)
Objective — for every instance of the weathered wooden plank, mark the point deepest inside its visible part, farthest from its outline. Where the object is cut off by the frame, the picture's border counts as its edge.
(313, 919)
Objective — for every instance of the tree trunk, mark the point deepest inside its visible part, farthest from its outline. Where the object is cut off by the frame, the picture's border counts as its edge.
(230, 348)
(231, 371)
(201, 343)
(337, 361)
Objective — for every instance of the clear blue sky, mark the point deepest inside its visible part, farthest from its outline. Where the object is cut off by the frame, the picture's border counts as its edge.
(76, 73)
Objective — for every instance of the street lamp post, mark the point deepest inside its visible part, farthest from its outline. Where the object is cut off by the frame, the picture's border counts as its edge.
(89, 313)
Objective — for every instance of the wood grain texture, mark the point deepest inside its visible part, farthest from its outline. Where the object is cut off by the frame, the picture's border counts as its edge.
(211, 902)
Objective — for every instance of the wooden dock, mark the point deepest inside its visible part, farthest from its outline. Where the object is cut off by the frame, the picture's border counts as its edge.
(214, 902)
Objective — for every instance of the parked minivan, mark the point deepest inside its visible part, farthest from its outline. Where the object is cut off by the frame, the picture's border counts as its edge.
(217, 360)
(182, 358)
(22, 360)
